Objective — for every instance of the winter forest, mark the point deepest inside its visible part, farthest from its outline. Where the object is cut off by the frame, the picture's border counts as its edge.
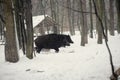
(59, 39)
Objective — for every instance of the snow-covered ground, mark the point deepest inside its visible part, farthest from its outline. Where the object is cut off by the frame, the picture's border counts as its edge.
(71, 63)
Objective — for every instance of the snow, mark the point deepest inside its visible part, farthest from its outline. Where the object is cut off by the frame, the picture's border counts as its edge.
(38, 19)
(71, 63)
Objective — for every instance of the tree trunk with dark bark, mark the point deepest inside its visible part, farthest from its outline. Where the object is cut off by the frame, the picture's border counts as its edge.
(111, 13)
(118, 15)
(11, 52)
(29, 29)
(98, 26)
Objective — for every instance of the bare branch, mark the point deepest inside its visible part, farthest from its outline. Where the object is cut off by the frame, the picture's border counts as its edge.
(110, 54)
(73, 9)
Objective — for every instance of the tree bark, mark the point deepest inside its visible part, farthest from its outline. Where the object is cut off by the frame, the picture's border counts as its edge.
(29, 25)
(105, 19)
(91, 19)
(82, 25)
(83, 21)
(11, 53)
(62, 18)
(2, 22)
(111, 13)
(118, 15)
(71, 16)
(54, 7)
(98, 26)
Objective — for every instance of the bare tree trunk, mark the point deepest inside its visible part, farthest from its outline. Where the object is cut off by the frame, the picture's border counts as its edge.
(1, 30)
(85, 21)
(1, 22)
(20, 18)
(104, 35)
(72, 18)
(84, 29)
(17, 9)
(42, 29)
(105, 19)
(62, 18)
(78, 22)
(82, 25)
(79, 16)
(29, 25)
(44, 3)
(118, 15)
(111, 13)
(23, 34)
(69, 15)
(11, 53)
(98, 27)
(55, 16)
(91, 20)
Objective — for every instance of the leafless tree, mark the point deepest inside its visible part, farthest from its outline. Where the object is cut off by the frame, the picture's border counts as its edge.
(11, 53)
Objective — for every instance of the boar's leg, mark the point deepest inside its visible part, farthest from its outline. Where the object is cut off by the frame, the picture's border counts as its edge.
(56, 50)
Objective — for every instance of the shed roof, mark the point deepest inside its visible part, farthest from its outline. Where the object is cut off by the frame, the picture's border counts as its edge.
(38, 19)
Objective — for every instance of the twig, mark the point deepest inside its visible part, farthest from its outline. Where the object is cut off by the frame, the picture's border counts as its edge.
(73, 9)
(110, 54)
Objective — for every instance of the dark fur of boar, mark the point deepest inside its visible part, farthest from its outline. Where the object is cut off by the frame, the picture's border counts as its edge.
(52, 41)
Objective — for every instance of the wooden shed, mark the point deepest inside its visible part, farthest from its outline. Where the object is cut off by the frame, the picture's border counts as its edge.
(42, 24)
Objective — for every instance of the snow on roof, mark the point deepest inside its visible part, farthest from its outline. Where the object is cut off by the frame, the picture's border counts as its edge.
(38, 19)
